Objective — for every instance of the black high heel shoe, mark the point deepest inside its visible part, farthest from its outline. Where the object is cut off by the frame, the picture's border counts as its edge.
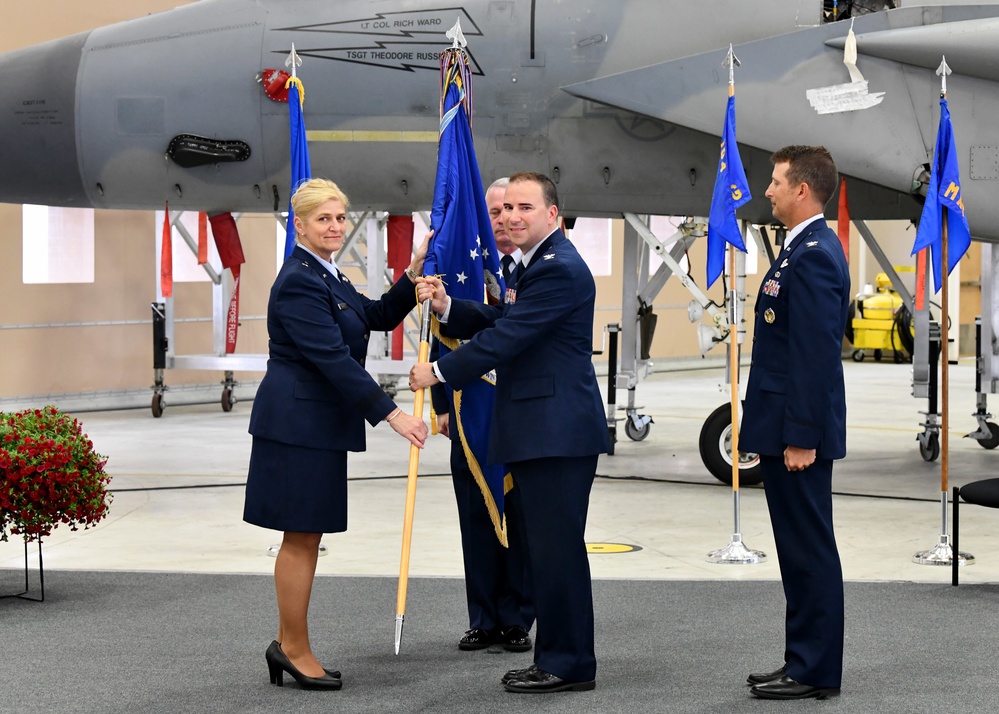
(278, 663)
(335, 673)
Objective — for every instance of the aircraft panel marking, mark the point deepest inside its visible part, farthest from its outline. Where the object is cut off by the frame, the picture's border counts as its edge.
(364, 49)
(398, 24)
(366, 136)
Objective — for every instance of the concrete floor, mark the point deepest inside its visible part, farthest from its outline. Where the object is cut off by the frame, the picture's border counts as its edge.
(178, 493)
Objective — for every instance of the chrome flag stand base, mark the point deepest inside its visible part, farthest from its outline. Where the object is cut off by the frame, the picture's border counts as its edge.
(942, 554)
(736, 553)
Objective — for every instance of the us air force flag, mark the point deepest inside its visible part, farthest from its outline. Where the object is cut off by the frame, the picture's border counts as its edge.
(944, 191)
(300, 165)
(463, 253)
(731, 191)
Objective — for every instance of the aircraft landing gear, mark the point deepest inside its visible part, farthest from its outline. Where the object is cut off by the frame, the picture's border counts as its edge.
(157, 405)
(987, 434)
(929, 443)
(228, 397)
(637, 426)
(160, 345)
(715, 445)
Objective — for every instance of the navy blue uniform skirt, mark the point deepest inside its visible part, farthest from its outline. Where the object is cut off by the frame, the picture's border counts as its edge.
(295, 488)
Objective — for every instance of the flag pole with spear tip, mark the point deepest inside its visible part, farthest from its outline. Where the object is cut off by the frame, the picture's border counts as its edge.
(414, 465)
(943, 553)
(736, 551)
(453, 60)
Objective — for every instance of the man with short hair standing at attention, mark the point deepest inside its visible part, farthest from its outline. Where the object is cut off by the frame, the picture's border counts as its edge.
(795, 419)
(548, 422)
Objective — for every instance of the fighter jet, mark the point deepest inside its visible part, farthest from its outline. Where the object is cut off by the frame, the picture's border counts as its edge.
(621, 103)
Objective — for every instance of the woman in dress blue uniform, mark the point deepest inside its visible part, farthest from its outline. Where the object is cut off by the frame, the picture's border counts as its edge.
(310, 409)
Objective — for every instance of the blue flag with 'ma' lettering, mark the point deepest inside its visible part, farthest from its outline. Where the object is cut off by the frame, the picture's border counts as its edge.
(944, 191)
(463, 254)
(731, 191)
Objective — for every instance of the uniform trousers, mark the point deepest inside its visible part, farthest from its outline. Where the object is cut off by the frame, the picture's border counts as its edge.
(550, 499)
(800, 505)
(496, 580)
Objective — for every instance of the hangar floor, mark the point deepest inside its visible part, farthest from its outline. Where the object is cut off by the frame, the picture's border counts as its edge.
(178, 493)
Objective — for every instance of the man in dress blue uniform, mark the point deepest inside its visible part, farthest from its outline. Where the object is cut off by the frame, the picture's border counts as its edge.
(548, 422)
(795, 419)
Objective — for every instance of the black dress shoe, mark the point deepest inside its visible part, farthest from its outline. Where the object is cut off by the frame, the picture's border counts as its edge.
(475, 639)
(335, 673)
(518, 673)
(515, 639)
(278, 663)
(541, 682)
(786, 688)
(763, 677)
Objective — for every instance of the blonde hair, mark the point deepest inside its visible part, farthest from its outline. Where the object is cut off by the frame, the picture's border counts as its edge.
(313, 193)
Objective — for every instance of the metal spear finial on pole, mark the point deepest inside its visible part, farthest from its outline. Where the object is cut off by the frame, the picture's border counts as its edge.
(293, 61)
(731, 62)
(455, 34)
(943, 70)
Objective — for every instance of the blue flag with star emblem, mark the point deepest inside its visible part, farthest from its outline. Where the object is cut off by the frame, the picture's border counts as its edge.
(731, 191)
(944, 191)
(463, 254)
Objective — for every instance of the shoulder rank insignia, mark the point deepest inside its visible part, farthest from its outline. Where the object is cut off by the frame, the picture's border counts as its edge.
(811, 243)
(769, 316)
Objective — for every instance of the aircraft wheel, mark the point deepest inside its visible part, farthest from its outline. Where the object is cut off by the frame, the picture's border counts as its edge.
(227, 399)
(156, 406)
(715, 445)
(990, 442)
(858, 355)
(930, 450)
(877, 355)
(636, 434)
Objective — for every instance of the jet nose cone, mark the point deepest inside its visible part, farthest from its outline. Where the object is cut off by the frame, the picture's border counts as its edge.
(38, 124)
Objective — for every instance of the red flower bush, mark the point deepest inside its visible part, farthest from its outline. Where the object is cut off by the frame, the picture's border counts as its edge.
(49, 474)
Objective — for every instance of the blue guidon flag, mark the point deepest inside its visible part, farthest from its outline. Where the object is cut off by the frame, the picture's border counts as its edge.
(301, 169)
(463, 254)
(944, 191)
(731, 191)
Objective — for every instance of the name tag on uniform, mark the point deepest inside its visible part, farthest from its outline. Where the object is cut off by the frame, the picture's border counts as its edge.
(341, 306)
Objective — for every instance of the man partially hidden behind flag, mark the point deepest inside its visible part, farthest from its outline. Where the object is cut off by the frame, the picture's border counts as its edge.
(464, 254)
(731, 191)
(944, 192)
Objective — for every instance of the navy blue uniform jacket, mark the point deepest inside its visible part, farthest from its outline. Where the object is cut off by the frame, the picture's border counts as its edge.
(795, 394)
(316, 392)
(541, 346)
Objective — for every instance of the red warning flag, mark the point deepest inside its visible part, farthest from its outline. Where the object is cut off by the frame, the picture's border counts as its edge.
(843, 219)
(231, 254)
(202, 238)
(166, 255)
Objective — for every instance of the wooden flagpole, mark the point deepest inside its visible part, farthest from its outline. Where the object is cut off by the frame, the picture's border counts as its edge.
(414, 466)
